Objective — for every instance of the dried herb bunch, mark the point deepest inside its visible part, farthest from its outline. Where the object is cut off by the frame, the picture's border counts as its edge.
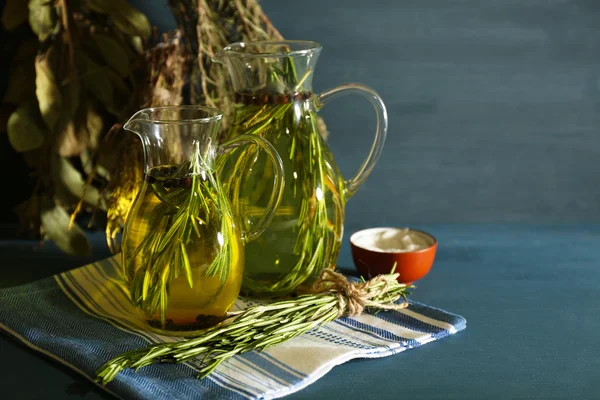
(82, 68)
(79, 69)
(182, 71)
(209, 26)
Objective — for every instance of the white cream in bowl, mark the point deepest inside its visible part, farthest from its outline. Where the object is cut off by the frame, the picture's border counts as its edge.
(392, 240)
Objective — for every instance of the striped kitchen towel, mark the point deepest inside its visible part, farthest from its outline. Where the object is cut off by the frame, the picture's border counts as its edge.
(82, 318)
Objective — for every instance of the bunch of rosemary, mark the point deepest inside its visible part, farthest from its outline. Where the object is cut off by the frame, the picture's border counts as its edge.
(76, 68)
(180, 220)
(263, 326)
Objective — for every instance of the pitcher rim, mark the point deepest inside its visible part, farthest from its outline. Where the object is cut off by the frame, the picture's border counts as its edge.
(310, 47)
(215, 114)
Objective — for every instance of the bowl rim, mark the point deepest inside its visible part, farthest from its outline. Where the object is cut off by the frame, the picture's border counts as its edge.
(434, 244)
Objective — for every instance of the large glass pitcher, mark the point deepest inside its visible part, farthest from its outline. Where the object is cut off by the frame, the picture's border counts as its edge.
(183, 247)
(272, 82)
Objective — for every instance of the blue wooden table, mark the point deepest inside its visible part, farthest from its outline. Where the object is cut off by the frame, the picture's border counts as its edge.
(529, 293)
(494, 148)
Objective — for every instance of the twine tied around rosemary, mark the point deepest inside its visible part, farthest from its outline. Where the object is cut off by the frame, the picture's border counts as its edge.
(353, 297)
(263, 326)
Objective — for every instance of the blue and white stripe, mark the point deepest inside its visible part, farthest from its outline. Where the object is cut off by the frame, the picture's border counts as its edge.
(83, 317)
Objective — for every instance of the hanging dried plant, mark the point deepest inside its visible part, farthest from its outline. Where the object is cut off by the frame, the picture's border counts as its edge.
(183, 72)
(94, 63)
(79, 76)
(210, 25)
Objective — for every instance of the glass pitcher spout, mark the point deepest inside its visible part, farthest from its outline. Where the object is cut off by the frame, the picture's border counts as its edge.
(271, 67)
(170, 135)
(137, 122)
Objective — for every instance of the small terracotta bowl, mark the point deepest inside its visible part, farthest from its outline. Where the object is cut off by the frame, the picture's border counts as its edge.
(376, 250)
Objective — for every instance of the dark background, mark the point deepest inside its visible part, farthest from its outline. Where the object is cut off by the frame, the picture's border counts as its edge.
(494, 106)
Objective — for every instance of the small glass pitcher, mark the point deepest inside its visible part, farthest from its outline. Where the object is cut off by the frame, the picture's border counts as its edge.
(183, 248)
(274, 100)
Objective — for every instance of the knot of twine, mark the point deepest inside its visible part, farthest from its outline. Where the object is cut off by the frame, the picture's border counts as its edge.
(353, 297)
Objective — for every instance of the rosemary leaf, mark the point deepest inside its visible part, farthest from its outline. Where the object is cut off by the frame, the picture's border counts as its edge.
(166, 239)
(185, 262)
(146, 284)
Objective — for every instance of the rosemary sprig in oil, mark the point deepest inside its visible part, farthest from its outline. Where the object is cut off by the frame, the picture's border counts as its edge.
(310, 185)
(282, 112)
(184, 213)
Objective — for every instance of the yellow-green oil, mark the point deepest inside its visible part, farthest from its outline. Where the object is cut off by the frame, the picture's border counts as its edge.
(192, 302)
(305, 235)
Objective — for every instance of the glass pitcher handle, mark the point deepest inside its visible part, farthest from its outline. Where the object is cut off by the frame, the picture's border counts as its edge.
(380, 129)
(278, 180)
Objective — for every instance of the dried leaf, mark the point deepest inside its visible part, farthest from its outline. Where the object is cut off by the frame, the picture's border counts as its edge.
(126, 18)
(42, 18)
(97, 81)
(80, 132)
(87, 161)
(69, 184)
(137, 44)
(72, 140)
(24, 133)
(47, 90)
(70, 95)
(113, 53)
(15, 12)
(136, 24)
(94, 125)
(89, 167)
(55, 223)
